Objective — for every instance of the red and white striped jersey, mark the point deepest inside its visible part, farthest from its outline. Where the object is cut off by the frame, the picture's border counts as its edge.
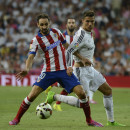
(68, 38)
(51, 49)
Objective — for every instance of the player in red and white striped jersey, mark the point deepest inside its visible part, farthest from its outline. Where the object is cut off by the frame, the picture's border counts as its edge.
(68, 34)
(71, 28)
(49, 42)
(51, 45)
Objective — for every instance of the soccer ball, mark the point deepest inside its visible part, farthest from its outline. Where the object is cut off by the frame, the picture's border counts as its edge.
(43, 110)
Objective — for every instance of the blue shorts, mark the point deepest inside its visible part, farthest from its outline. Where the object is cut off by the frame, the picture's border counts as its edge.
(46, 79)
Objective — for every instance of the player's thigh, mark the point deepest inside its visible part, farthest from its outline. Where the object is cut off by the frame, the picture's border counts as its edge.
(36, 90)
(68, 82)
(105, 89)
(45, 79)
(79, 91)
(84, 77)
(97, 81)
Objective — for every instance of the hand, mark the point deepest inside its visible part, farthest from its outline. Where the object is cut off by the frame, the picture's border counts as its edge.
(21, 75)
(69, 71)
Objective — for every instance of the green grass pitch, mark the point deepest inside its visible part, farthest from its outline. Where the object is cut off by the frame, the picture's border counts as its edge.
(71, 118)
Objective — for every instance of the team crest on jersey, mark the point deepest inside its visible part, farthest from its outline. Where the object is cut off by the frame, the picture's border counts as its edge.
(55, 35)
(76, 44)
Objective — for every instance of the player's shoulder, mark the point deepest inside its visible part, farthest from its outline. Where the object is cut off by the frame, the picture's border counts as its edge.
(34, 39)
(80, 32)
(55, 30)
(65, 33)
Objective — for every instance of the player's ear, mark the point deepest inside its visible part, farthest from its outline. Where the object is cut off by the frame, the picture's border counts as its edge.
(49, 24)
(82, 20)
(75, 25)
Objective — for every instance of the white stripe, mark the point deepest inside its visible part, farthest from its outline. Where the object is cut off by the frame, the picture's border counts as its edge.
(26, 101)
(83, 100)
(68, 39)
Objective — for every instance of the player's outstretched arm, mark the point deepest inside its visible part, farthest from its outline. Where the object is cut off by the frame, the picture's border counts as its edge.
(29, 63)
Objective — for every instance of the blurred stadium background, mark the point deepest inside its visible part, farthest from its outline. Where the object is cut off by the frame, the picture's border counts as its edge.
(112, 56)
(112, 32)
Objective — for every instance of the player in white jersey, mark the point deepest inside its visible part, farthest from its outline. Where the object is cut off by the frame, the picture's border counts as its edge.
(87, 75)
(50, 43)
(69, 35)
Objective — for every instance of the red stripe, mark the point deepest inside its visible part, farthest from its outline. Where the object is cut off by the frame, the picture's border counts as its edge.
(31, 41)
(62, 49)
(56, 55)
(63, 55)
(28, 99)
(71, 39)
(43, 47)
(64, 35)
(55, 31)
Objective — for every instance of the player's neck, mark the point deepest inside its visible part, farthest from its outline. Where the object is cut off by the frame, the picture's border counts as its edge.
(44, 33)
(70, 33)
(87, 29)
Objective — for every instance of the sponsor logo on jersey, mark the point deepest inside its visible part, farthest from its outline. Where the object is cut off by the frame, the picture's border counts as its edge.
(76, 44)
(53, 45)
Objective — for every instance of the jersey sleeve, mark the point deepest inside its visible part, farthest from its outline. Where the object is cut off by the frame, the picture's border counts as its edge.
(74, 46)
(33, 47)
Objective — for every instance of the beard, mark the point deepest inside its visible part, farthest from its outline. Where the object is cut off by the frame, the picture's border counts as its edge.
(71, 29)
(44, 31)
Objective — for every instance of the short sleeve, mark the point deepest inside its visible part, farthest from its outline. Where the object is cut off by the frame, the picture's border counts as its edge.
(33, 47)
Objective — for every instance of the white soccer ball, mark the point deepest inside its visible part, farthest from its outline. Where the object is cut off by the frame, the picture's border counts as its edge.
(44, 110)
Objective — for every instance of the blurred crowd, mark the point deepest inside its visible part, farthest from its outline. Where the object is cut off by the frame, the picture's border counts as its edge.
(112, 31)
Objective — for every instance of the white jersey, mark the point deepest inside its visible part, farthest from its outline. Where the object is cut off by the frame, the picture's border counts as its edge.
(84, 43)
(89, 77)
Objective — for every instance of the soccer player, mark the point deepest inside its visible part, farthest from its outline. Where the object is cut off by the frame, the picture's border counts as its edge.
(69, 35)
(87, 75)
(49, 42)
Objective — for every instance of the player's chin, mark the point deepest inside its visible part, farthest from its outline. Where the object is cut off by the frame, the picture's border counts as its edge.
(90, 28)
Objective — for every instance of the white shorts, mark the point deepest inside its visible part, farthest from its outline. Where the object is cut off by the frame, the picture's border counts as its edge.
(89, 78)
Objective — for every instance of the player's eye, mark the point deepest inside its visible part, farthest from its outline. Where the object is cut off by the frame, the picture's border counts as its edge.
(46, 24)
(41, 24)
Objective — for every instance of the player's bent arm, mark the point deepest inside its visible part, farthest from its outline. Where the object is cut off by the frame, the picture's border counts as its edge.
(29, 62)
(76, 53)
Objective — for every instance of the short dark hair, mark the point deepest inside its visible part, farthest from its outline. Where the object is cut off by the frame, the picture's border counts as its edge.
(43, 15)
(88, 13)
(70, 18)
